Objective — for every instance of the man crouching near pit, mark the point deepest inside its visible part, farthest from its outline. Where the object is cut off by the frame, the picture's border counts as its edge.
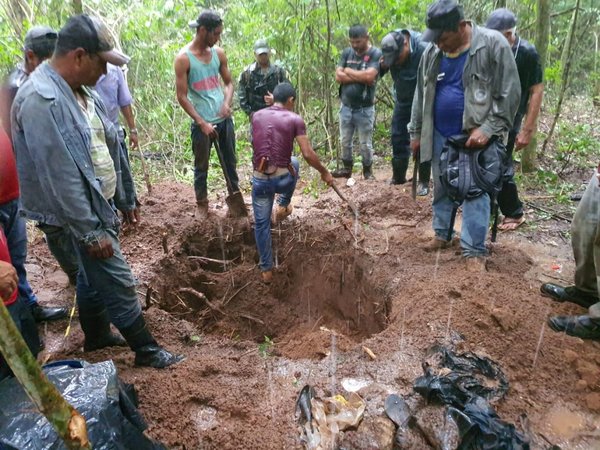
(276, 171)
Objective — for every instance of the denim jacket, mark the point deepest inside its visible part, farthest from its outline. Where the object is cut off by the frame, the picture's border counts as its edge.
(491, 85)
(51, 139)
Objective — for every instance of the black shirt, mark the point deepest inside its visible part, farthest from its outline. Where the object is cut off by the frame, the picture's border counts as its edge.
(530, 70)
(359, 95)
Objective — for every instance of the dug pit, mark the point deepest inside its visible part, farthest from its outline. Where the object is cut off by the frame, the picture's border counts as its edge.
(321, 288)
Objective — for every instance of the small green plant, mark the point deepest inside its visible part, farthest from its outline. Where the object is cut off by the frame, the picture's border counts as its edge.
(576, 145)
(266, 347)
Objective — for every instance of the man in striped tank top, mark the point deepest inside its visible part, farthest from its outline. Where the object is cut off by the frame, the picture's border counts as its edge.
(200, 93)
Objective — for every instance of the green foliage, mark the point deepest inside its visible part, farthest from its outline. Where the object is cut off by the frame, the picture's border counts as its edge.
(577, 145)
(266, 347)
(307, 37)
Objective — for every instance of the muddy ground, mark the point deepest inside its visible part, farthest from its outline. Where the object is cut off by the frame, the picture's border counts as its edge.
(341, 285)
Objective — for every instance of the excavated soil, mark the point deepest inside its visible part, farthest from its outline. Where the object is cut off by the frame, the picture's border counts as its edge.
(344, 286)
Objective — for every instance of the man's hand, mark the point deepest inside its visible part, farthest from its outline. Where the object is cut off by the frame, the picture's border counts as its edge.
(477, 139)
(268, 98)
(133, 140)
(8, 280)
(327, 177)
(208, 130)
(415, 146)
(225, 110)
(131, 217)
(523, 138)
(101, 250)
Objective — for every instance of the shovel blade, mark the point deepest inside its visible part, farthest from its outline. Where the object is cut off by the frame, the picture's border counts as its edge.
(236, 205)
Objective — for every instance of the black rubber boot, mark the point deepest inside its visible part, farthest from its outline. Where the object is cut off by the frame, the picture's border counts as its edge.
(398, 171)
(367, 173)
(147, 351)
(96, 328)
(346, 172)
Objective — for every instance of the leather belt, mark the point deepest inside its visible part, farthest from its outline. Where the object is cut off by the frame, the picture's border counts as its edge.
(278, 172)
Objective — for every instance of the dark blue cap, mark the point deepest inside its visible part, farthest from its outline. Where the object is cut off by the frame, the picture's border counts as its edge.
(443, 15)
(502, 19)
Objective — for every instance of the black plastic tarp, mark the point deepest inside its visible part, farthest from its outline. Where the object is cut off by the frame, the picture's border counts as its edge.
(108, 405)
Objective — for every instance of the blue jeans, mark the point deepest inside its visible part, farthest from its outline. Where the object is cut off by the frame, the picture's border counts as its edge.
(201, 145)
(16, 235)
(108, 282)
(476, 211)
(263, 195)
(360, 120)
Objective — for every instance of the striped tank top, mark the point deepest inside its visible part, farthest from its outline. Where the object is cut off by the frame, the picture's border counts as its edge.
(204, 87)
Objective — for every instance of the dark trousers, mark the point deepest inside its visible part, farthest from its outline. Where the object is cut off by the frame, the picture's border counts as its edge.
(401, 141)
(16, 235)
(508, 199)
(23, 319)
(201, 145)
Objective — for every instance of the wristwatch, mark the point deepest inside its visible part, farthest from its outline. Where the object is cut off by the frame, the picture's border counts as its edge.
(133, 131)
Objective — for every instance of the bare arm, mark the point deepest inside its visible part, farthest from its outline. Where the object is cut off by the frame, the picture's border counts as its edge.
(182, 67)
(312, 158)
(226, 110)
(536, 94)
(367, 77)
(341, 77)
(127, 112)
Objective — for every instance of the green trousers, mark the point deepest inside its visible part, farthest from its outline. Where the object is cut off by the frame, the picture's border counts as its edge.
(585, 239)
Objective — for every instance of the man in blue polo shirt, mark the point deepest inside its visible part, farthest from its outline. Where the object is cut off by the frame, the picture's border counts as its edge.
(467, 82)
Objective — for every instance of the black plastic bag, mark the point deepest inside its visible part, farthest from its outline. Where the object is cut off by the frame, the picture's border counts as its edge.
(453, 379)
(480, 428)
(108, 405)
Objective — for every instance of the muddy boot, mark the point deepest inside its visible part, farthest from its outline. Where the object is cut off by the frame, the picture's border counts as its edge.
(147, 351)
(367, 174)
(399, 167)
(202, 209)
(96, 328)
(346, 172)
(281, 212)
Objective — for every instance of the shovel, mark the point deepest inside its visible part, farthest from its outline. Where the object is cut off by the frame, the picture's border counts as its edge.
(343, 197)
(235, 201)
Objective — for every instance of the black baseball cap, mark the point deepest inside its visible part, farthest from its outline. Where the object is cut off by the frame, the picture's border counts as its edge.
(443, 15)
(501, 19)
(93, 36)
(391, 47)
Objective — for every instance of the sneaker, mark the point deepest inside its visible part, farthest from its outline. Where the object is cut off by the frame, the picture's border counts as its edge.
(423, 189)
(281, 212)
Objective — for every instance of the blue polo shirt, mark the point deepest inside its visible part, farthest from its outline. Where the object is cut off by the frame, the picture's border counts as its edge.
(450, 95)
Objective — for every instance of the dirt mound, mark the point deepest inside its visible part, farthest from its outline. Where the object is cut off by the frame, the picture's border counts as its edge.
(353, 298)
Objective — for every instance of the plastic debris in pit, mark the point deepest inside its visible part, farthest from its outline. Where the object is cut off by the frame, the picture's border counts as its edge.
(323, 419)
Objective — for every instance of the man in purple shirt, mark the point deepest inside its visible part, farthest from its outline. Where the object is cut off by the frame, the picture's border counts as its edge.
(115, 94)
(276, 171)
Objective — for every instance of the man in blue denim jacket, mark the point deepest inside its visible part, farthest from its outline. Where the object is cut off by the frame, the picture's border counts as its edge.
(72, 171)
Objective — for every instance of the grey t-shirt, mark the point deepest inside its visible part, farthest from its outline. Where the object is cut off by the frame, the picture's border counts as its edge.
(357, 95)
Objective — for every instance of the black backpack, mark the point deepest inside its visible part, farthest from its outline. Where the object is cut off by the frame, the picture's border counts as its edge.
(467, 173)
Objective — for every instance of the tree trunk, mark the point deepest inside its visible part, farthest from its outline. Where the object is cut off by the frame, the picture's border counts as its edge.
(500, 4)
(78, 6)
(542, 32)
(566, 59)
(69, 424)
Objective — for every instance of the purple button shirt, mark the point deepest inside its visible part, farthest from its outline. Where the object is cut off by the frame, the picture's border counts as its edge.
(114, 92)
